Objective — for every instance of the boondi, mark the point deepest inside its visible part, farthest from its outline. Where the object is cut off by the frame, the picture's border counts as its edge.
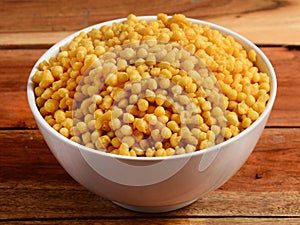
(145, 105)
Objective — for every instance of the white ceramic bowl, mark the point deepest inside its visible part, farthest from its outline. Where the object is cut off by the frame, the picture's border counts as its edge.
(154, 184)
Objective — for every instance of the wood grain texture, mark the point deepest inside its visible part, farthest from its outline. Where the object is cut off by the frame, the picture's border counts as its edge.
(33, 184)
(264, 22)
(27, 163)
(31, 204)
(273, 166)
(27, 204)
(286, 63)
(35, 189)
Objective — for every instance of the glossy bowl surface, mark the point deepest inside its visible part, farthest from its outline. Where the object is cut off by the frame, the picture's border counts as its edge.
(157, 184)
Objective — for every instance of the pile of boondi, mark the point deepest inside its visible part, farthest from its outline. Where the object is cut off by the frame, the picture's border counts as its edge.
(144, 100)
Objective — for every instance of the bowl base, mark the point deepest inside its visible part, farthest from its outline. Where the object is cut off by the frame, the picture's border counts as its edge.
(154, 209)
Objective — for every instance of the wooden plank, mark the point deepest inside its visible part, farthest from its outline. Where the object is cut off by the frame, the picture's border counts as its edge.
(286, 63)
(166, 221)
(15, 67)
(264, 22)
(65, 204)
(15, 112)
(31, 39)
(273, 154)
(27, 163)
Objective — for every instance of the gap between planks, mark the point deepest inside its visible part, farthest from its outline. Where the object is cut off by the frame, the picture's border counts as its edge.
(44, 40)
(163, 221)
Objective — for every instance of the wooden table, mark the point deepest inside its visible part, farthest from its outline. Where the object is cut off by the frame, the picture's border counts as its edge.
(34, 189)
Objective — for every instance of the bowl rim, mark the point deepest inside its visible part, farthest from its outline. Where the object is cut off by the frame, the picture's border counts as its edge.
(225, 31)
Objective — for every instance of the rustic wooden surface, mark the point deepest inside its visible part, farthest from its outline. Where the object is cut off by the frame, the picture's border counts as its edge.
(34, 189)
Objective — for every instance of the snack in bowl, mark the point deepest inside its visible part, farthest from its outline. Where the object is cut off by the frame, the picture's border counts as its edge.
(245, 90)
(114, 99)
